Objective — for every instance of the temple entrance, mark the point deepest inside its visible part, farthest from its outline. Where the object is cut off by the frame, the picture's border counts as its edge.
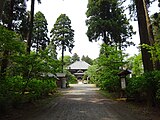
(78, 69)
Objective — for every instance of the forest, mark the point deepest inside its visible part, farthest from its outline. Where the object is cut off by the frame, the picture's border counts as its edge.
(28, 51)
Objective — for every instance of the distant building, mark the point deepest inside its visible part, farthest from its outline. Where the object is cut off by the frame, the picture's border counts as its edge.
(78, 68)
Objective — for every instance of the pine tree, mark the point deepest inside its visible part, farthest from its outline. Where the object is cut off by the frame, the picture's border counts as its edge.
(40, 31)
(87, 59)
(107, 21)
(29, 36)
(75, 57)
(62, 35)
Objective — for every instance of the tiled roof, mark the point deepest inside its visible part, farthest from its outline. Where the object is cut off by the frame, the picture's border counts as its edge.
(79, 65)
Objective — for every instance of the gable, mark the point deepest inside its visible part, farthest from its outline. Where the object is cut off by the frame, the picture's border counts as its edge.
(79, 65)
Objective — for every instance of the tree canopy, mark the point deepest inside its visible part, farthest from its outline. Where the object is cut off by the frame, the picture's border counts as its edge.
(75, 57)
(87, 59)
(107, 21)
(40, 38)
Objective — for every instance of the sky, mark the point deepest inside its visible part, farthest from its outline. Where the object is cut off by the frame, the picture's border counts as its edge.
(75, 10)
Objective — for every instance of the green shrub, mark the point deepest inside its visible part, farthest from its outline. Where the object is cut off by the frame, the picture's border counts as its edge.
(71, 79)
(139, 87)
(157, 83)
(136, 87)
(40, 88)
(10, 91)
(15, 91)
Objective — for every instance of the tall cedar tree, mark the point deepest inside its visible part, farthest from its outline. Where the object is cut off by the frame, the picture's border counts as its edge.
(107, 21)
(87, 59)
(139, 9)
(40, 38)
(23, 27)
(146, 37)
(75, 58)
(13, 11)
(62, 35)
(29, 36)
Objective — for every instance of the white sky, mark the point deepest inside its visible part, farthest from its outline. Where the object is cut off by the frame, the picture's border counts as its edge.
(75, 10)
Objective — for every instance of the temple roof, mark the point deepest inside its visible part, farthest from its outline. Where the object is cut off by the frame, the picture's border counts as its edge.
(79, 65)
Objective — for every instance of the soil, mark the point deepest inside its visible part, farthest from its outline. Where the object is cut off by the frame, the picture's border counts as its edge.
(80, 102)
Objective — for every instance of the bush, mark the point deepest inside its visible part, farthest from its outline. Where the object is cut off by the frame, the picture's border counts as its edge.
(71, 78)
(136, 88)
(15, 91)
(10, 91)
(40, 88)
(140, 87)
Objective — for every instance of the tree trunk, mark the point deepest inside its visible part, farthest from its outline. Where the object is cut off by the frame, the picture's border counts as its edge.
(156, 63)
(37, 46)
(29, 38)
(105, 37)
(2, 3)
(144, 35)
(145, 38)
(62, 55)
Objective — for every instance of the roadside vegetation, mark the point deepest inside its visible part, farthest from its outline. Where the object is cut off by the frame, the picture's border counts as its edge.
(144, 84)
(28, 57)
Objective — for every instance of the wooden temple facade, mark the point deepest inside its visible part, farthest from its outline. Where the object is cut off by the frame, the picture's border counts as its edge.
(78, 68)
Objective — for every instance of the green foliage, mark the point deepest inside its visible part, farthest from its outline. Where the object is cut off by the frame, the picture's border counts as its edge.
(62, 34)
(40, 88)
(109, 80)
(10, 44)
(10, 41)
(87, 59)
(40, 31)
(67, 60)
(107, 21)
(154, 50)
(139, 87)
(92, 74)
(12, 90)
(75, 58)
(28, 76)
(104, 70)
(71, 78)
(36, 65)
(135, 64)
(136, 87)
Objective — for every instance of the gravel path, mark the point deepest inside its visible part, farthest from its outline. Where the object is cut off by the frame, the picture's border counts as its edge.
(82, 102)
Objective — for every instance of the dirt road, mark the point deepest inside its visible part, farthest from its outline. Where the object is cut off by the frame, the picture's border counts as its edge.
(82, 102)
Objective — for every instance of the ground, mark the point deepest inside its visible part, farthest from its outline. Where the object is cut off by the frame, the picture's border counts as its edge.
(79, 102)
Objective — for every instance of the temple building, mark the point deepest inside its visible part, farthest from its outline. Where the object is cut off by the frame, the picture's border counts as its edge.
(78, 68)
